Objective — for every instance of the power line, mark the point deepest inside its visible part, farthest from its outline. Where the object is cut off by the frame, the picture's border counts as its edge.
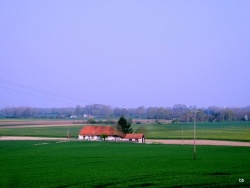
(34, 89)
(36, 95)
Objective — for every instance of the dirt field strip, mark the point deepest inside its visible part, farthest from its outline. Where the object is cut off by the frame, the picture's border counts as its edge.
(30, 138)
(36, 126)
(200, 142)
(39, 122)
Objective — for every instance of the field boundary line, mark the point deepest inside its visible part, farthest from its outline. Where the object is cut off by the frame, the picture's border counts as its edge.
(148, 141)
(31, 138)
(199, 142)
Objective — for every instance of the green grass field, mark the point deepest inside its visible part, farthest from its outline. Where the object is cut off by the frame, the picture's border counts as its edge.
(239, 131)
(108, 164)
(52, 131)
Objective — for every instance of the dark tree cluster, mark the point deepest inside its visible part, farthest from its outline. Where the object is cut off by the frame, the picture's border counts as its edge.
(124, 125)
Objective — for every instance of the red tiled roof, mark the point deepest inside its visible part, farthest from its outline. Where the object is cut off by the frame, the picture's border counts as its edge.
(98, 130)
(134, 136)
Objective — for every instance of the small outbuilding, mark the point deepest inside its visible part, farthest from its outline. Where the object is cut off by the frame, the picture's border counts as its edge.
(135, 137)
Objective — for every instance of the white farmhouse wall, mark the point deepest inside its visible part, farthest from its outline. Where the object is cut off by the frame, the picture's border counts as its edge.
(80, 137)
(109, 138)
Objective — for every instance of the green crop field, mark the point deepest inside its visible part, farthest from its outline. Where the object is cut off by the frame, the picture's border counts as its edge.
(51, 131)
(238, 131)
(109, 164)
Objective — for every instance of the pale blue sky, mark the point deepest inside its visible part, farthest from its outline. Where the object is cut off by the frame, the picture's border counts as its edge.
(125, 53)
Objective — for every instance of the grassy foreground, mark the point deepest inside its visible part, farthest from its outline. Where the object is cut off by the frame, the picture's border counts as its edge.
(103, 164)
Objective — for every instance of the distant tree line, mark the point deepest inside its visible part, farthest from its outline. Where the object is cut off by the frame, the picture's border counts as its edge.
(178, 112)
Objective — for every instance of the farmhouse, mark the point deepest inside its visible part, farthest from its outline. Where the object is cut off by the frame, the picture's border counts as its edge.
(95, 133)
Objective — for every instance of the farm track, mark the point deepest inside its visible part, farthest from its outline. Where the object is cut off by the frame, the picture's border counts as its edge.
(148, 141)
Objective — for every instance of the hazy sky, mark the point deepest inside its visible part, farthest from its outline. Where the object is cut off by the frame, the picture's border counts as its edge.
(124, 53)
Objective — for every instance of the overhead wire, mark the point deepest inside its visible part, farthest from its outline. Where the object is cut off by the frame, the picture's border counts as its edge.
(35, 95)
(41, 91)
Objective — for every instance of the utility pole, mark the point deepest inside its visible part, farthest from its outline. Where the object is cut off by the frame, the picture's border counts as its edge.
(182, 135)
(68, 135)
(195, 111)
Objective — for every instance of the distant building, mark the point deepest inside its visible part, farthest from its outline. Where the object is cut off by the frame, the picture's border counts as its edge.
(246, 118)
(88, 116)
